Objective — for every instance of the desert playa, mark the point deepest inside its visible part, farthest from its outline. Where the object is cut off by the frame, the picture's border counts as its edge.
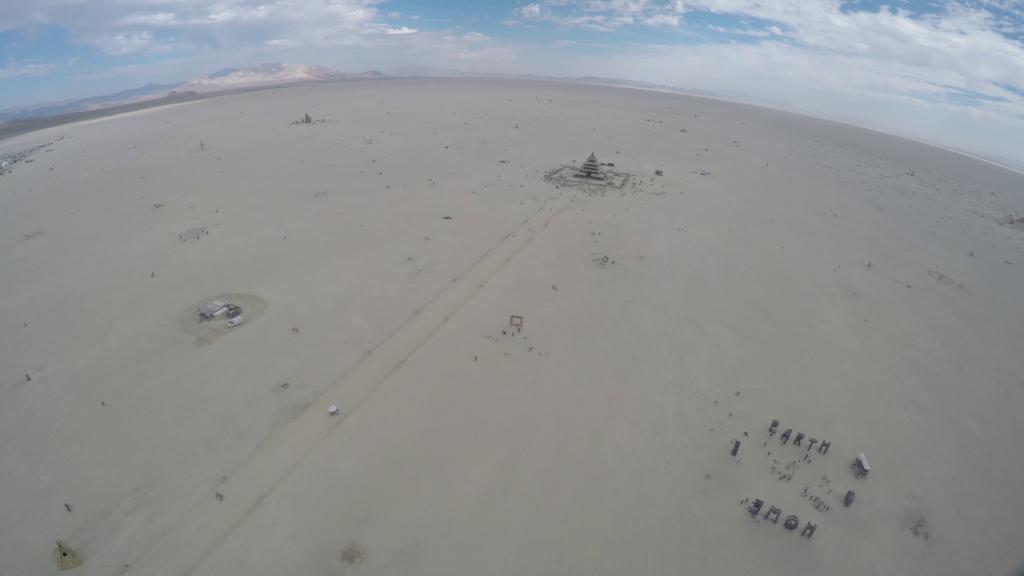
(741, 266)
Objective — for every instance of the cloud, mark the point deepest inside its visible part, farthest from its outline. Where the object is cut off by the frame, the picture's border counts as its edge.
(661, 20)
(959, 45)
(124, 26)
(530, 11)
(468, 51)
(280, 43)
(949, 72)
(604, 15)
(749, 32)
(400, 31)
(929, 104)
(124, 43)
(20, 69)
(154, 19)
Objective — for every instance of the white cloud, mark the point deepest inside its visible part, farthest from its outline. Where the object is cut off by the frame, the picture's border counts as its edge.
(16, 69)
(903, 98)
(154, 19)
(468, 51)
(530, 11)
(400, 31)
(662, 20)
(820, 57)
(125, 42)
(120, 26)
(750, 32)
(605, 15)
(280, 43)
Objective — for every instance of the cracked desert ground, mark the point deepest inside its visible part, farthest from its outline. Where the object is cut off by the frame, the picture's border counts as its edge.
(857, 287)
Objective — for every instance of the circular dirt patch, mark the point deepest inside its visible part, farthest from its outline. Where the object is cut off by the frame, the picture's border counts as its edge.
(208, 331)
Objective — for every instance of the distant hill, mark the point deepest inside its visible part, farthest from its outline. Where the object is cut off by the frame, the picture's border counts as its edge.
(272, 74)
(31, 124)
(147, 92)
(266, 74)
(432, 72)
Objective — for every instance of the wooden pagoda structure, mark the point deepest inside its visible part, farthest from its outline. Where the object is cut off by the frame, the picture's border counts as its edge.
(591, 168)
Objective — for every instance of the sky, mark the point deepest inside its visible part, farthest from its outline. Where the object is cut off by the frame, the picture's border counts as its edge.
(947, 72)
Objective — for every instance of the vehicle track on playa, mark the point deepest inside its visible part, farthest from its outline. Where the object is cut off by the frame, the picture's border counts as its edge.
(202, 528)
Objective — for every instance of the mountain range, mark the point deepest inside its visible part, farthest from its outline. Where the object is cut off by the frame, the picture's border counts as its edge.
(266, 74)
(263, 75)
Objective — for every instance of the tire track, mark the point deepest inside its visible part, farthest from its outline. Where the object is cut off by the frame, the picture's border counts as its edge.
(202, 528)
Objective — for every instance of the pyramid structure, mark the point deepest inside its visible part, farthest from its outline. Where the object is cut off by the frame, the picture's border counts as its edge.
(591, 167)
